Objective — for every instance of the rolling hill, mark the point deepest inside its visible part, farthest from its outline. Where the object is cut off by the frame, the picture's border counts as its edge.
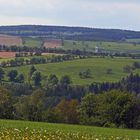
(69, 33)
(98, 67)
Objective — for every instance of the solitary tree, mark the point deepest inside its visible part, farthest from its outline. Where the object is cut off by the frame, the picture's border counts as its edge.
(36, 77)
(127, 69)
(65, 80)
(12, 75)
(109, 71)
(85, 74)
(52, 80)
(31, 71)
(136, 65)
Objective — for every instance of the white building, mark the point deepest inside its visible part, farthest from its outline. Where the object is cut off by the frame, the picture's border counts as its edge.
(97, 49)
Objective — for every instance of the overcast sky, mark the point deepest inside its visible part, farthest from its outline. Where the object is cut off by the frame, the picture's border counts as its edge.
(123, 14)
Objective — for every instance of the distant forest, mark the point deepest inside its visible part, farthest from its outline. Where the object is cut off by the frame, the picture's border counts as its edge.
(69, 33)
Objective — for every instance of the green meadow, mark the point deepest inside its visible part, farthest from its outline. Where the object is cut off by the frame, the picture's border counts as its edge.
(107, 46)
(32, 42)
(97, 66)
(127, 46)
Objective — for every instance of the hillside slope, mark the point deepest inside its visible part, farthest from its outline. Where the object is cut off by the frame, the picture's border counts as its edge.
(71, 33)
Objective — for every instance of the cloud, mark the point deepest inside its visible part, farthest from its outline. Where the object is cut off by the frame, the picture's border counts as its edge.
(95, 13)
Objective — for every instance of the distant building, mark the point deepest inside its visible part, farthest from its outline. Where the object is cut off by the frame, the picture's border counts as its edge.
(98, 49)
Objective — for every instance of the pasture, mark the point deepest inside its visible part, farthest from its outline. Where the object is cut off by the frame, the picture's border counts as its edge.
(129, 46)
(106, 46)
(137, 40)
(97, 66)
(19, 130)
(32, 42)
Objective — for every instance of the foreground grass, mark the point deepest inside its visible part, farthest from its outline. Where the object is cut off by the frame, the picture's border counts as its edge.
(98, 67)
(37, 131)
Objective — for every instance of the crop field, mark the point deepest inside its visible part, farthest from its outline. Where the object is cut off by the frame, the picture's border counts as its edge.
(22, 130)
(7, 54)
(4, 56)
(52, 44)
(128, 46)
(97, 66)
(106, 46)
(10, 40)
(38, 42)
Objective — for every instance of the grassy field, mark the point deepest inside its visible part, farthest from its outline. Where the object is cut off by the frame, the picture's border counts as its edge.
(98, 67)
(133, 40)
(5, 59)
(107, 46)
(32, 42)
(63, 131)
(127, 46)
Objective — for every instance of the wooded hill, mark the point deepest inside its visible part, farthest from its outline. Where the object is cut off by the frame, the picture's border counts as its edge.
(70, 33)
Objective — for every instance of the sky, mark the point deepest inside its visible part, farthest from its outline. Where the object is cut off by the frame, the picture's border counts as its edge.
(118, 14)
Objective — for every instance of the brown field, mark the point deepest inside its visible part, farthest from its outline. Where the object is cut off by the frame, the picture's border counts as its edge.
(53, 43)
(10, 40)
(7, 54)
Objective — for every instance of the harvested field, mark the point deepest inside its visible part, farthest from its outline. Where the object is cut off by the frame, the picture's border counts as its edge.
(7, 54)
(10, 40)
(53, 43)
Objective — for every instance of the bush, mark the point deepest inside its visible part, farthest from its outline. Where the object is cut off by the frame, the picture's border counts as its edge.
(108, 124)
(127, 69)
(85, 74)
(109, 71)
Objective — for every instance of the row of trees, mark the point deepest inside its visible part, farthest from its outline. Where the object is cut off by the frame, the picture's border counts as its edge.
(37, 60)
(25, 50)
